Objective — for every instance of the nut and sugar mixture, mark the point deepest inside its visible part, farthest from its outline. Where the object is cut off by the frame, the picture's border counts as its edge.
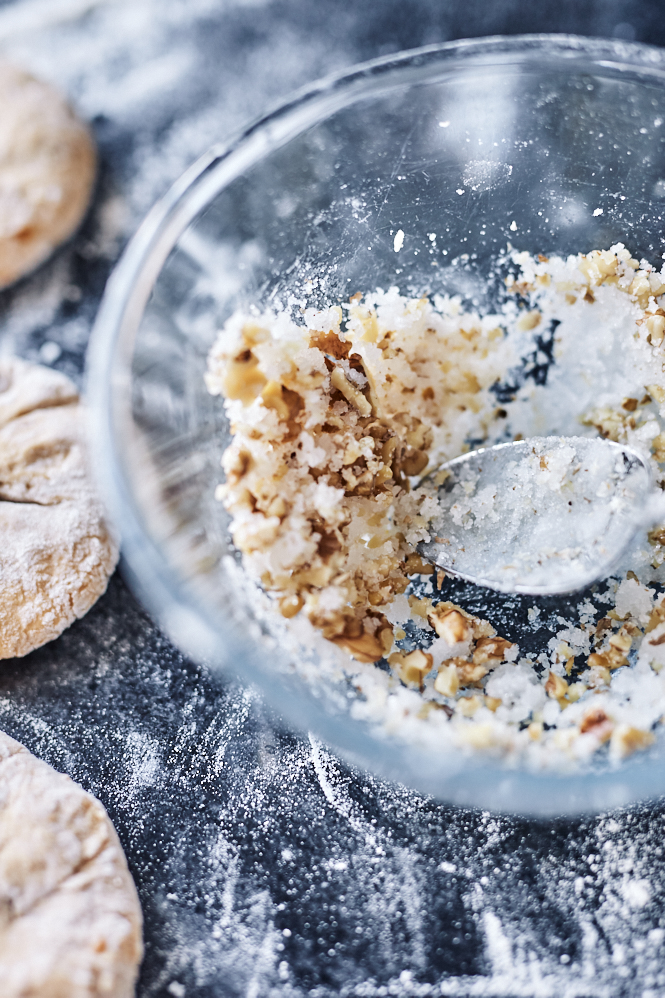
(329, 428)
(335, 418)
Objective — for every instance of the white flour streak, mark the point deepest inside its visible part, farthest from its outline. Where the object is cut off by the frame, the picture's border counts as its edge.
(28, 16)
(144, 83)
(498, 947)
(341, 804)
(143, 759)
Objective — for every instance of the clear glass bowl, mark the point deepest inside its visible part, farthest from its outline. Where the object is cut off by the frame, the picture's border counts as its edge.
(539, 133)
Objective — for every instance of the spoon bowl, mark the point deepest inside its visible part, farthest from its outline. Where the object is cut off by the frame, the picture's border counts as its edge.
(543, 516)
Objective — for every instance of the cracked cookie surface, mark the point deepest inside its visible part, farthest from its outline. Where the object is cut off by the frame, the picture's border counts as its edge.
(57, 553)
(47, 169)
(70, 919)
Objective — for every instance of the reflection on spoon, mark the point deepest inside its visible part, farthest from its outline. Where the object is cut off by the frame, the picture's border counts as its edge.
(543, 516)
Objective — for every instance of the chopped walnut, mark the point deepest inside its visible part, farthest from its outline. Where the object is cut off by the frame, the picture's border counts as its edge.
(604, 624)
(610, 423)
(656, 328)
(625, 740)
(655, 392)
(454, 624)
(414, 565)
(356, 636)
(447, 680)
(451, 624)
(657, 616)
(597, 676)
(420, 607)
(658, 447)
(468, 706)
(621, 641)
(575, 691)
(597, 723)
(556, 686)
(529, 321)
(611, 658)
(412, 667)
(470, 672)
(491, 652)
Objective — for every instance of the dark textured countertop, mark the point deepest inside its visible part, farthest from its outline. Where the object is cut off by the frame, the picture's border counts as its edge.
(265, 866)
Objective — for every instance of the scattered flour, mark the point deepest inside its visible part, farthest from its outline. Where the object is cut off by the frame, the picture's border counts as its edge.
(421, 899)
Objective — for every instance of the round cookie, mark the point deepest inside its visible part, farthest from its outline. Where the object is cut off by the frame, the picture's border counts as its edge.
(70, 919)
(47, 168)
(56, 551)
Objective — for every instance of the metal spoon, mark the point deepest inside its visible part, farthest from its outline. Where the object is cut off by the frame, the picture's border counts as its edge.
(544, 516)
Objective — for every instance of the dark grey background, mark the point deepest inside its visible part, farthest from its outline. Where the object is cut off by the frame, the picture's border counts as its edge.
(264, 865)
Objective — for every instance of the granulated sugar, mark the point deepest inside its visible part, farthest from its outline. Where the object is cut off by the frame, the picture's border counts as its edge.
(331, 421)
(588, 495)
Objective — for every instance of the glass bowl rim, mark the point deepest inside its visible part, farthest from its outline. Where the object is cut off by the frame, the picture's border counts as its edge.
(107, 385)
